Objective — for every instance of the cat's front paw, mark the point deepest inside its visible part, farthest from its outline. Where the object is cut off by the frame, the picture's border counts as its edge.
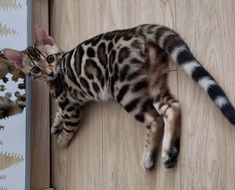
(148, 160)
(63, 139)
(169, 157)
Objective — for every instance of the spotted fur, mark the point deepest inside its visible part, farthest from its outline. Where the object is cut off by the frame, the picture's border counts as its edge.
(129, 66)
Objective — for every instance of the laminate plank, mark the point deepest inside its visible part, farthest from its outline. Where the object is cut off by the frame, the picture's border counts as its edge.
(80, 165)
(118, 138)
(207, 157)
(123, 137)
(207, 148)
(40, 115)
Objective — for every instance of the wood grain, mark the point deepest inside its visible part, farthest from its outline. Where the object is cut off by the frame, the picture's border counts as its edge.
(40, 111)
(107, 150)
(207, 149)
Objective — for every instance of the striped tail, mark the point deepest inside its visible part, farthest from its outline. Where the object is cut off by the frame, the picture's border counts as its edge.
(180, 53)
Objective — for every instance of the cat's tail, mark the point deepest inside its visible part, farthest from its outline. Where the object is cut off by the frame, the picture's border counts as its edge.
(180, 53)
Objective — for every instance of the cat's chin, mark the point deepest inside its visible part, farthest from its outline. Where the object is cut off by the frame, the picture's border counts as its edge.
(52, 78)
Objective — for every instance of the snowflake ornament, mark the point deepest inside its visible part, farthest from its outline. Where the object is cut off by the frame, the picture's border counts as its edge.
(10, 88)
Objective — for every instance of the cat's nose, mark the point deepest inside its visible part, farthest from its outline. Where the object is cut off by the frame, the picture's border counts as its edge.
(51, 74)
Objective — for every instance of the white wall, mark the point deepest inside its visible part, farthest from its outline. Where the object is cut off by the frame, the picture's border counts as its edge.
(13, 34)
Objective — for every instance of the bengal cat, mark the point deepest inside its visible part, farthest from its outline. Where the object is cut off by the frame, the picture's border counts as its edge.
(129, 66)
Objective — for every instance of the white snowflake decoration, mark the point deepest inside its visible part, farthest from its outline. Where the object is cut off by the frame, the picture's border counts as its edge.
(10, 88)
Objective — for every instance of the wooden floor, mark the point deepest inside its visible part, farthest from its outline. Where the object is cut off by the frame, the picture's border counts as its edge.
(107, 150)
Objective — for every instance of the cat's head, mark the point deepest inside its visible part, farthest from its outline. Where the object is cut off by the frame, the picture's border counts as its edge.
(40, 60)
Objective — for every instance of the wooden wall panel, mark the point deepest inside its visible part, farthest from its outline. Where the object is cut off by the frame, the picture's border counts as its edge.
(40, 111)
(84, 155)
(207, 148)
(123, 137)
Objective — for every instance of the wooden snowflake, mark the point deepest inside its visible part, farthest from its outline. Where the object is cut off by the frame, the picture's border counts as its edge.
(9, 5)
(10, 159)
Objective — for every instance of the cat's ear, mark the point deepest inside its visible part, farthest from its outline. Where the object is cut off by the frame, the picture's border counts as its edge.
(14, 56)
(42, 36)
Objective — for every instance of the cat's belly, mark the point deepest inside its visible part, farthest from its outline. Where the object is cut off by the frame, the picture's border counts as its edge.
(105, 94)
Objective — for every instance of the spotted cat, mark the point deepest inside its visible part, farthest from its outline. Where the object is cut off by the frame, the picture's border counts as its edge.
(129, 66)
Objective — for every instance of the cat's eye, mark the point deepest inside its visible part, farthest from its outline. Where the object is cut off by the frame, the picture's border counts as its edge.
(35, 70)
(50, 59)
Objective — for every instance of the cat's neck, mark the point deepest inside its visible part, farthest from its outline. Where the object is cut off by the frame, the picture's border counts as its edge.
(64, 61)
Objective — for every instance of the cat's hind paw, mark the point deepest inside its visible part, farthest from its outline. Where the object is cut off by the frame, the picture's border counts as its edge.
(148, 160)
(169, 157)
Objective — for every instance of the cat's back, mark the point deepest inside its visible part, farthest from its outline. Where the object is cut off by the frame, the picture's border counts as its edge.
(140, 31)
(113, 56)
(118, 46)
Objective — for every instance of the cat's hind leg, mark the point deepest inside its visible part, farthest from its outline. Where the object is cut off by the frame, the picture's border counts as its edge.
(152, 142)
(169, 109)
(57, 126)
